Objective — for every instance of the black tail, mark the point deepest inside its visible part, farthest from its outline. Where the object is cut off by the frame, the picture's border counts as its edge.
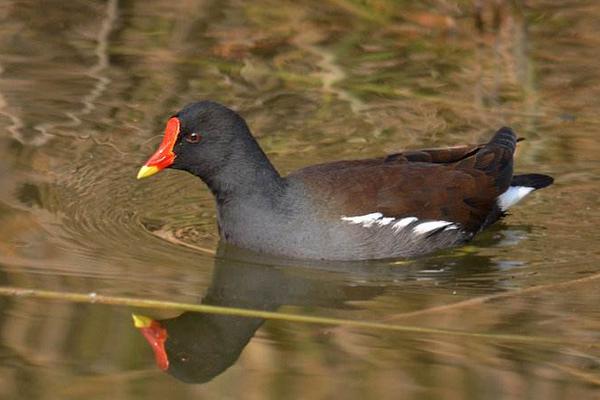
(536, 181)
(496, 158)
(504, 138)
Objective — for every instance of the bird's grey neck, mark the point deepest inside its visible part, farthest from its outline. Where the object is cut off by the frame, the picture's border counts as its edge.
(244, 177)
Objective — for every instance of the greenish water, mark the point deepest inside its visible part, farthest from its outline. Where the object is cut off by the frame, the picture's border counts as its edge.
(85, 90)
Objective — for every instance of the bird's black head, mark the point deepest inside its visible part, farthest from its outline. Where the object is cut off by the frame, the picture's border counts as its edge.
(202, 138)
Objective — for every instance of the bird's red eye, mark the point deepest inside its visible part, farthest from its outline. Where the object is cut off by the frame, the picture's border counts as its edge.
(192, 137)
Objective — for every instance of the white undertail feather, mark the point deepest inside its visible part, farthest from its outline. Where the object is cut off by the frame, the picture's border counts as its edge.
(512, 196)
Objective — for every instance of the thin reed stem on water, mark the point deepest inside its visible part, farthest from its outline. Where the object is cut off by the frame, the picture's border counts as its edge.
(94, 298)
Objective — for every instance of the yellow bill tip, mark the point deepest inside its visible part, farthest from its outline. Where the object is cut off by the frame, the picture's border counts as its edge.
(147, 171)
(141, 321)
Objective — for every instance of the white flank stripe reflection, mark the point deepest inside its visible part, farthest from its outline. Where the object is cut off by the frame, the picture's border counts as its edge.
(512, 196)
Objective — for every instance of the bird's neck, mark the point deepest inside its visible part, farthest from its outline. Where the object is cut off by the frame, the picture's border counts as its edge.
(248, 173)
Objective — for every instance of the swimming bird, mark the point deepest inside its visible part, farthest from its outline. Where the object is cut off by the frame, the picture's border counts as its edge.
(401, 205)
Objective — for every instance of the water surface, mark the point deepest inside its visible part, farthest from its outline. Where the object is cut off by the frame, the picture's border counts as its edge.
(85, 90)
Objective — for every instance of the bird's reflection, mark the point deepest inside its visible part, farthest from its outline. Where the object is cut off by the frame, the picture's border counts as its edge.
(196, 347)
(201, 346)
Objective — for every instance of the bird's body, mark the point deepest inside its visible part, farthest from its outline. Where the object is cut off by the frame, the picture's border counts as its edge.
(402, 205)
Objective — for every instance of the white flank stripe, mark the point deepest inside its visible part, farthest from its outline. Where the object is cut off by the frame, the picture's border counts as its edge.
(377, 218)
(403, 223)
(368, 220)
(430, 226)
(512, 196)
(385, 221)
(365, 220)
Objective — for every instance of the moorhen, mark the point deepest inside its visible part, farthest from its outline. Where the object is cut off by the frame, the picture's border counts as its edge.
(402, 205)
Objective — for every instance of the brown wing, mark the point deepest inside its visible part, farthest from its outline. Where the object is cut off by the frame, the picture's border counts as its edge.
(438, 156)
(459, 184)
